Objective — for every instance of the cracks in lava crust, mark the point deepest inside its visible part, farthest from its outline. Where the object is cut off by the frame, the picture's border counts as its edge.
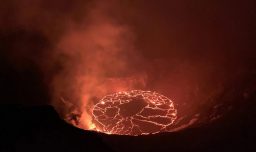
(134, 113)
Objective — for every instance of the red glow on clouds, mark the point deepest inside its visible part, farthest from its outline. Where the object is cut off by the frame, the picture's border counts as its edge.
(98, 57)
(89, 49)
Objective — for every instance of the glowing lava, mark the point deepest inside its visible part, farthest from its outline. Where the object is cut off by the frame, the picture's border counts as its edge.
(134, 113)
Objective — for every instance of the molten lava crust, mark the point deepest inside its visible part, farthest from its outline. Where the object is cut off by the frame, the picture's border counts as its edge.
(134, 113)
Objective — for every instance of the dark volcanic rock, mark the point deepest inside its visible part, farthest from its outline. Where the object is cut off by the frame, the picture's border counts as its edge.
(41, 129)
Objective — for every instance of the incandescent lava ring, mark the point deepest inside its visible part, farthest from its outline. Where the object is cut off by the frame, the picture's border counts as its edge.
(133, 113)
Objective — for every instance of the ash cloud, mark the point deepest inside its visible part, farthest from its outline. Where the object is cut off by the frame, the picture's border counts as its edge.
(85, 52)
(98, 57)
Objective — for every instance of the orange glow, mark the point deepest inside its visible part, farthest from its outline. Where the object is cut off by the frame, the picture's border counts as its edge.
(133, 112)
(92, 126)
